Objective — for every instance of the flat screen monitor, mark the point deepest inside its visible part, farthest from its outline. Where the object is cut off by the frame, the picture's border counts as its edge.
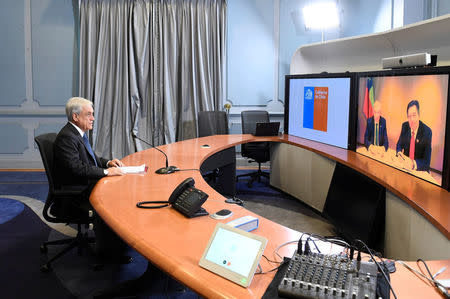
(356, 206)
(317, 107)
(402, 120)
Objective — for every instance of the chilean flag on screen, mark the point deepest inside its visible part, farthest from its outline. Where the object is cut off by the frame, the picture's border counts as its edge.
(369, 99)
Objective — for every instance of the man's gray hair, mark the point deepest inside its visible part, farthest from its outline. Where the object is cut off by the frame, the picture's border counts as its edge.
(74, 105)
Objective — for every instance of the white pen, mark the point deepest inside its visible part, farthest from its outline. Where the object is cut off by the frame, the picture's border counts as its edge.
(439, 272)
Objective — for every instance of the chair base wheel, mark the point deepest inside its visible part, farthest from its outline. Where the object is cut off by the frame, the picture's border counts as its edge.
(45, 268)
(43, 249)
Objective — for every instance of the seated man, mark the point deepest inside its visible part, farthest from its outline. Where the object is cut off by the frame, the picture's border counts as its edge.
(76, 165)
(375, 137)
(414, 143)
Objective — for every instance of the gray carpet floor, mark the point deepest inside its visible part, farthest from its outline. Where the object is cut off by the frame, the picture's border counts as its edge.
(292, 214)
(282, 208)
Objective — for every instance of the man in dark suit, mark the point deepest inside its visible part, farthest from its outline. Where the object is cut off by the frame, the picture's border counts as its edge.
(77, 166)
(414, 143)
(375, 136)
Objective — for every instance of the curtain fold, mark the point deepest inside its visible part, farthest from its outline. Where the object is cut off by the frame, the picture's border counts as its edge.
(149, 66)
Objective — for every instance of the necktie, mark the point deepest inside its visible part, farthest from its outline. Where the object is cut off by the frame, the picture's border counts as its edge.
(88, 146)
(412, 146)
(376, 135)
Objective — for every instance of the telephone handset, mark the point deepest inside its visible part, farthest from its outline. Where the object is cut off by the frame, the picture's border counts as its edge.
(188, 200)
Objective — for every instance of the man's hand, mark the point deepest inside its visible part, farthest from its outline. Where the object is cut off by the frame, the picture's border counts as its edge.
(112, 171)
(406, 162)
(409, 164)
(114, 163)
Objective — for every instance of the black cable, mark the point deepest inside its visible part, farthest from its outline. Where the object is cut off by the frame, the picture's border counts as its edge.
(334, 240)
(150, 204)
(439, 286)
(189, 169)
(301, 237)
(315, 245)
(300, 246)
(269, 260)
(358, 262)
(378, 265)
(352, 252)
(331, 239)
(307, 249)
(426, 266)
(271, 270)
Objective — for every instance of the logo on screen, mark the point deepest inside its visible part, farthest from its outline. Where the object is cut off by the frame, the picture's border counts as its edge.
(309, 93)
(315, 112)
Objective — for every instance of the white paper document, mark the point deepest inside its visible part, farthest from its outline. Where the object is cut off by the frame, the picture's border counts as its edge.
(133, 169)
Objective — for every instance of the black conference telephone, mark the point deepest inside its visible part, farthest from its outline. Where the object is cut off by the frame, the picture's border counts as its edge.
(185, 198)
(188, 200)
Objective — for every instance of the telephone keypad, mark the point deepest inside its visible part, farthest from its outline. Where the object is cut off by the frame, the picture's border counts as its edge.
(190, 201)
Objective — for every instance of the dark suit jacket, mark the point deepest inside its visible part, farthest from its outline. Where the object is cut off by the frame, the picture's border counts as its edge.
(370, 133)
(422, 152)
(73, 165)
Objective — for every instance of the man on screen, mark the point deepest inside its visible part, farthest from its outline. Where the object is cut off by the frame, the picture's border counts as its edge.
(414, 143)
(375, 137)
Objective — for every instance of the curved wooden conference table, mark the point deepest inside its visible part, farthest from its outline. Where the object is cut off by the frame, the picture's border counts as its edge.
(175, 244)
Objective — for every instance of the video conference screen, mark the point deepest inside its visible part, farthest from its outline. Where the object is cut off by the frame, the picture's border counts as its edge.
(318, 109)
(401, 122)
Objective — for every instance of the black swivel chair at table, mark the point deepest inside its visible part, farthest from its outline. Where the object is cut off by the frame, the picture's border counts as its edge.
(220, 166)
(257, 151)
(58, 207)
(212, 123)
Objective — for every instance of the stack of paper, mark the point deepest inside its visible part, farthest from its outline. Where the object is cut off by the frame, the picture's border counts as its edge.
(133, 169)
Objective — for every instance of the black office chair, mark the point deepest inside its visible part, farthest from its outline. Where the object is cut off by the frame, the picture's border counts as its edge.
(222, 179)
(212, 123)
(256, 151)
(58, 207)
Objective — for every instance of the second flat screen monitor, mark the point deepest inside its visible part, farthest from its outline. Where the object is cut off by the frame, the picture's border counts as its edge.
(402, 121)
(318, 109)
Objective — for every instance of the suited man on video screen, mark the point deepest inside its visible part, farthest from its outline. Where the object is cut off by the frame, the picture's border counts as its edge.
(414, 143)
(375, 136)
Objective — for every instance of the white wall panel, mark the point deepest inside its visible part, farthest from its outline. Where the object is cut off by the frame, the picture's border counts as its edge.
(12, 60)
